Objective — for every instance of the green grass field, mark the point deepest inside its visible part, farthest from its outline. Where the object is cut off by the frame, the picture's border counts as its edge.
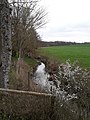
(72, 52)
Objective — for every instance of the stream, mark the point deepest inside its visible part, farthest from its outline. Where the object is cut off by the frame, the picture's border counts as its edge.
(64, 97)
(41, 77)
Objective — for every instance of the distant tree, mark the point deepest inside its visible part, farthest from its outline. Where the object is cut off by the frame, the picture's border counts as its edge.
(33, 41)
(5, 43)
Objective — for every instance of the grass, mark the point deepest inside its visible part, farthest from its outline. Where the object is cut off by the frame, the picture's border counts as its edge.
(73, 52)
(19, 82)
(31, 62)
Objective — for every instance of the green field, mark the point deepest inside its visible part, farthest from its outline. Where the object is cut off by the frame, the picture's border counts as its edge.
(72, 52)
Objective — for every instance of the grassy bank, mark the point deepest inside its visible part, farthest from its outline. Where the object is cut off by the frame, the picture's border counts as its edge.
(25, 70)
(31, 62)
(72, 52)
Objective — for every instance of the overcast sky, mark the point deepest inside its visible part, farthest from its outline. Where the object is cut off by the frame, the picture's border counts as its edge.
(68, 20)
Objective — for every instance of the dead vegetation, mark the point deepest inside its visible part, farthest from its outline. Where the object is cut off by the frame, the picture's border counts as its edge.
(26, 105)
(21, 77)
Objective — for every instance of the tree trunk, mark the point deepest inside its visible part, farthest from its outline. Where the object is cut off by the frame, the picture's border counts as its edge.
(1, 82)
(5, 54)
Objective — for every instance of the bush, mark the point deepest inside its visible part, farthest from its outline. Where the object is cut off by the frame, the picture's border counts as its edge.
(72, 92)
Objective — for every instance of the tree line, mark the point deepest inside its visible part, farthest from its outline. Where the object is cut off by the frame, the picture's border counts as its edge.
(58, 43)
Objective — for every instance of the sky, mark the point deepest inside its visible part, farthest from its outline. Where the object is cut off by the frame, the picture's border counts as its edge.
(68, 20)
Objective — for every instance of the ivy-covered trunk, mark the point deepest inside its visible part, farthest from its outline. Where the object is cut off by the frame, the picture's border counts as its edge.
(5, 43)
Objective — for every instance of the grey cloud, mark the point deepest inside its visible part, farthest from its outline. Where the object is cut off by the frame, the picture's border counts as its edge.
(70, 31)
(81, 27)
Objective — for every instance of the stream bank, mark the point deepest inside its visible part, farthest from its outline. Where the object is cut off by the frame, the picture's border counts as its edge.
(21, 75)
(45, 74)
(51, 66)
(72, 87)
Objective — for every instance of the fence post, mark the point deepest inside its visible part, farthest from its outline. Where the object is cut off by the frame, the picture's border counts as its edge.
(28, 81)
(52, 107)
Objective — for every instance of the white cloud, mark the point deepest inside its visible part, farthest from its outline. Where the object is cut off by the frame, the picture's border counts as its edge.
(69, 20)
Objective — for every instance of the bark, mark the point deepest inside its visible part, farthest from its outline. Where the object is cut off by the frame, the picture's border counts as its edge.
(0, 64)
(1, 83)
(5, 56)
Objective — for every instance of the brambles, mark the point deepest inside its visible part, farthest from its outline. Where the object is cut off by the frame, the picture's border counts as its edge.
(73, 91)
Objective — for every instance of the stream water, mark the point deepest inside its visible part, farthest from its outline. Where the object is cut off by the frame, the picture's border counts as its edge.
(41, 77)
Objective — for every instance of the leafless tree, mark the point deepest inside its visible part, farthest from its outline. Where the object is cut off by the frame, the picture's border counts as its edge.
(27, 15)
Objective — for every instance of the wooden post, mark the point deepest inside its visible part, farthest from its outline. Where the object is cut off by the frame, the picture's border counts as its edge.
(52, 107)
(51, 90)
(28, 81)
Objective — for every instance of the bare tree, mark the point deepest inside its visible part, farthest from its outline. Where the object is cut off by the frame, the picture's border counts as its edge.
(5, 42)
(27, 16)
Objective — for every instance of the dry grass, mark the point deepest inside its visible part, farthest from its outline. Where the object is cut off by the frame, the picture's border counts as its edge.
(26, 106)
(21, 78)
